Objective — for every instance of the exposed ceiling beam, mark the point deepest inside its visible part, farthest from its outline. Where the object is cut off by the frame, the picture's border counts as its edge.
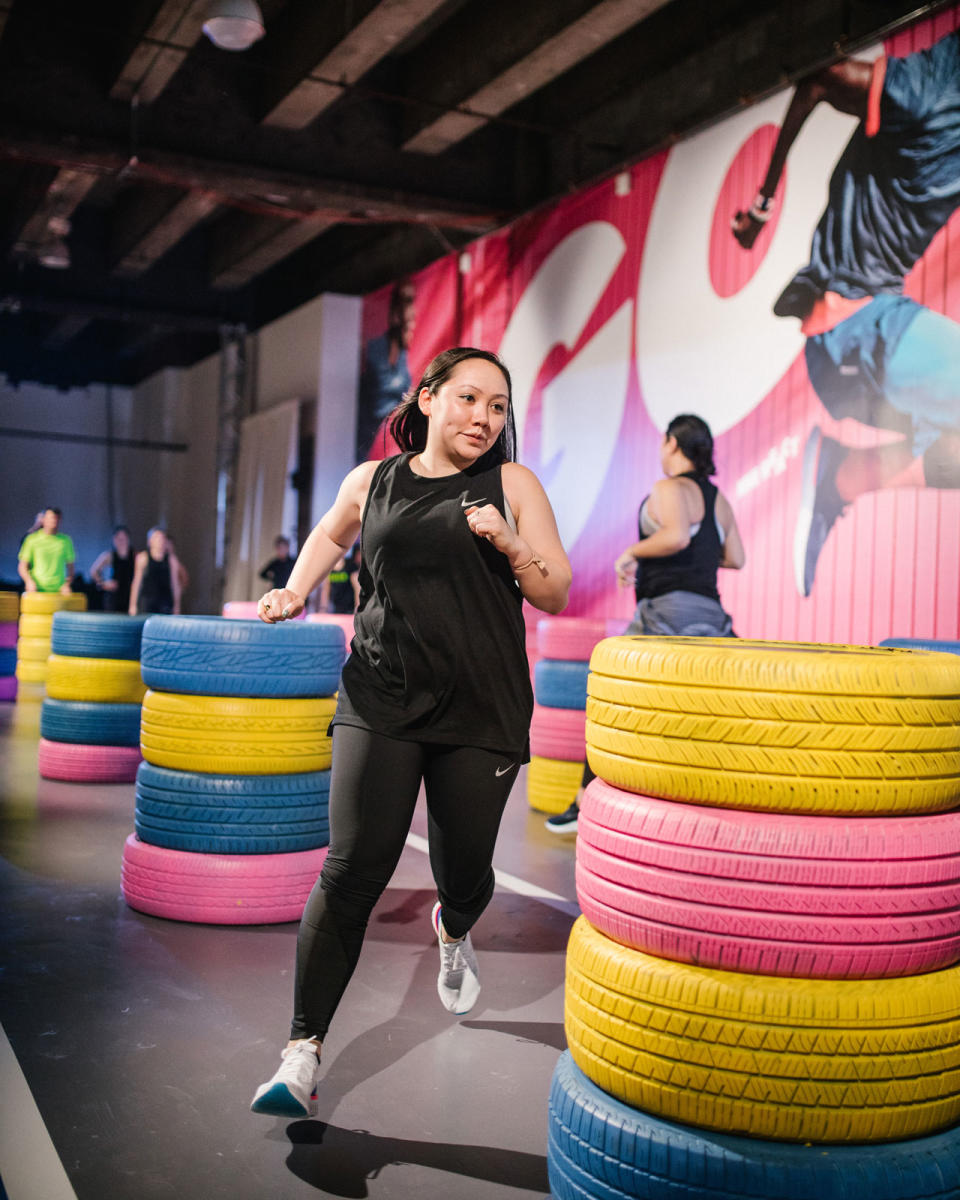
(604, 22)
(264, 251)
(15, 303)
(267, 193)
(159, 54)
(380, 31)
(65, 331)
(185, 215)
(64, 194)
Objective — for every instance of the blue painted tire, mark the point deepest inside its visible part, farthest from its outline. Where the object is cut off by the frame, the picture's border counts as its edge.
(561, 684)
(232, 814)
(96, 635)
(922, 644)
(89, 723)
(214, 656)
(8, 661)
(600, 1149)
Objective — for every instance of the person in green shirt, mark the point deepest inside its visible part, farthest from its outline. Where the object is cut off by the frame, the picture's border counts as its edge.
(46, 558)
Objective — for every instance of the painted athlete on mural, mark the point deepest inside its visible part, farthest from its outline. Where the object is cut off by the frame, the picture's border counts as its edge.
(873, 353)
(385, 375)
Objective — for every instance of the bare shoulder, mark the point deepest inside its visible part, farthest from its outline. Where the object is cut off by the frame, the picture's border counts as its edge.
(357, 482)
(676, 487)
(724, 510)
(519, 481)
(724, 507)
(352, 497)
(364, 472)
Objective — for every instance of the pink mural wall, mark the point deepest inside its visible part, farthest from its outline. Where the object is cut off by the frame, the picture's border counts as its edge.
(631, 302)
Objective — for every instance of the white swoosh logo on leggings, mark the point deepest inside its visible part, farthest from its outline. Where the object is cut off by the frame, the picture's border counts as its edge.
(502, 771)
(467, 503)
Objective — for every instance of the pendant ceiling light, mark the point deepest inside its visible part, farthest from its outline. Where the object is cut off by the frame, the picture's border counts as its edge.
(234, 24)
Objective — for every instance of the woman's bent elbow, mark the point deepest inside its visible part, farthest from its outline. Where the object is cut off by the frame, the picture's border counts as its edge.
(558, 601)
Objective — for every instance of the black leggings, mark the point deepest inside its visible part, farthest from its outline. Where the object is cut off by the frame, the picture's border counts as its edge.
(373, 791)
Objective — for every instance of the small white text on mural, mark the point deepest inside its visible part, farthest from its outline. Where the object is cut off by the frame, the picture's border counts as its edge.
(773, 463)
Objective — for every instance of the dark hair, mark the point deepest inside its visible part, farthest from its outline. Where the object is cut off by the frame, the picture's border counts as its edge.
(695, 441)
(281, 538)
(121, 529)
(408, 426)
(52, 508)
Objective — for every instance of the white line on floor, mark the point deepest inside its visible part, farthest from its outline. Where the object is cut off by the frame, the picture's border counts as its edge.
(512, 882)
(29, 1165)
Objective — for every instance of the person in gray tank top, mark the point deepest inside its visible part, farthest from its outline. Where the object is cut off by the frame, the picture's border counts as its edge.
(454, 535)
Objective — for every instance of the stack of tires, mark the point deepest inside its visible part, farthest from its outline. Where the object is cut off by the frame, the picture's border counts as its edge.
(231, 800)
(36, 623)
(762, 995)
(90, 718)
(557, 745)
(9, 612)
(923, 644)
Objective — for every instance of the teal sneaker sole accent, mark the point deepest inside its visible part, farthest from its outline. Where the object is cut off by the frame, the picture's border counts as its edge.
(279, 1101)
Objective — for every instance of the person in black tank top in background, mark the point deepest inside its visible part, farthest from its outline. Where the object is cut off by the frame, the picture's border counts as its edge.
(687, 530)
(454, 535)
(112, 572)
(156, 577)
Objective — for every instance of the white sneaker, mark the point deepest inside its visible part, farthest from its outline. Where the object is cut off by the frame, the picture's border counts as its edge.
(458, 983)
(292, 1092)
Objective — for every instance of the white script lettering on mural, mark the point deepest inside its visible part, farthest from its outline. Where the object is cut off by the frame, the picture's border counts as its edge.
(583, 404)
(773, 463)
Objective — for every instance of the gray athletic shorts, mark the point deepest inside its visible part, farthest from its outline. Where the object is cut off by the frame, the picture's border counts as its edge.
(681, 614)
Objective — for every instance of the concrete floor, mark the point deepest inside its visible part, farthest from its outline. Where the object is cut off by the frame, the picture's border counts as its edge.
(141, 1040)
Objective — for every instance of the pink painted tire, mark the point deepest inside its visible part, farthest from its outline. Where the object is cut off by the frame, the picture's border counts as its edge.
(573, 638)
(246, 610)
(814, 897)
(344, 620)
(8, 687)
(558, 733)
(218, 889)
(78, 763)
(8, 635)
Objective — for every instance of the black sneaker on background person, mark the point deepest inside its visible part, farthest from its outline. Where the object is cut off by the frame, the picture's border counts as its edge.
(565, 822)
(820, 505)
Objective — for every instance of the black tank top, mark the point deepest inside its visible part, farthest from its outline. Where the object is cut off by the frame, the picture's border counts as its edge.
(122, 569)
(439, 650)
(156, 589)
(692, 569)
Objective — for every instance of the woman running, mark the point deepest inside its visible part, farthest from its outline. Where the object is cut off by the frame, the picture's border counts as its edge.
(454, 535)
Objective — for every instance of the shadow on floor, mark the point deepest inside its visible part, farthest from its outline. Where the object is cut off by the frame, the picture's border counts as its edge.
(340, 1161)
(542, 1033)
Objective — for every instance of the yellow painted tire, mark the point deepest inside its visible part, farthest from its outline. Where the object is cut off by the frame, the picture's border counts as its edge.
(776, 726)
(236, 735)
(9, 606)
(552, 783)
(111, 680)
(33, 649)
(31, 672)
(51, 602)
(35, 625)
(810, 1060)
